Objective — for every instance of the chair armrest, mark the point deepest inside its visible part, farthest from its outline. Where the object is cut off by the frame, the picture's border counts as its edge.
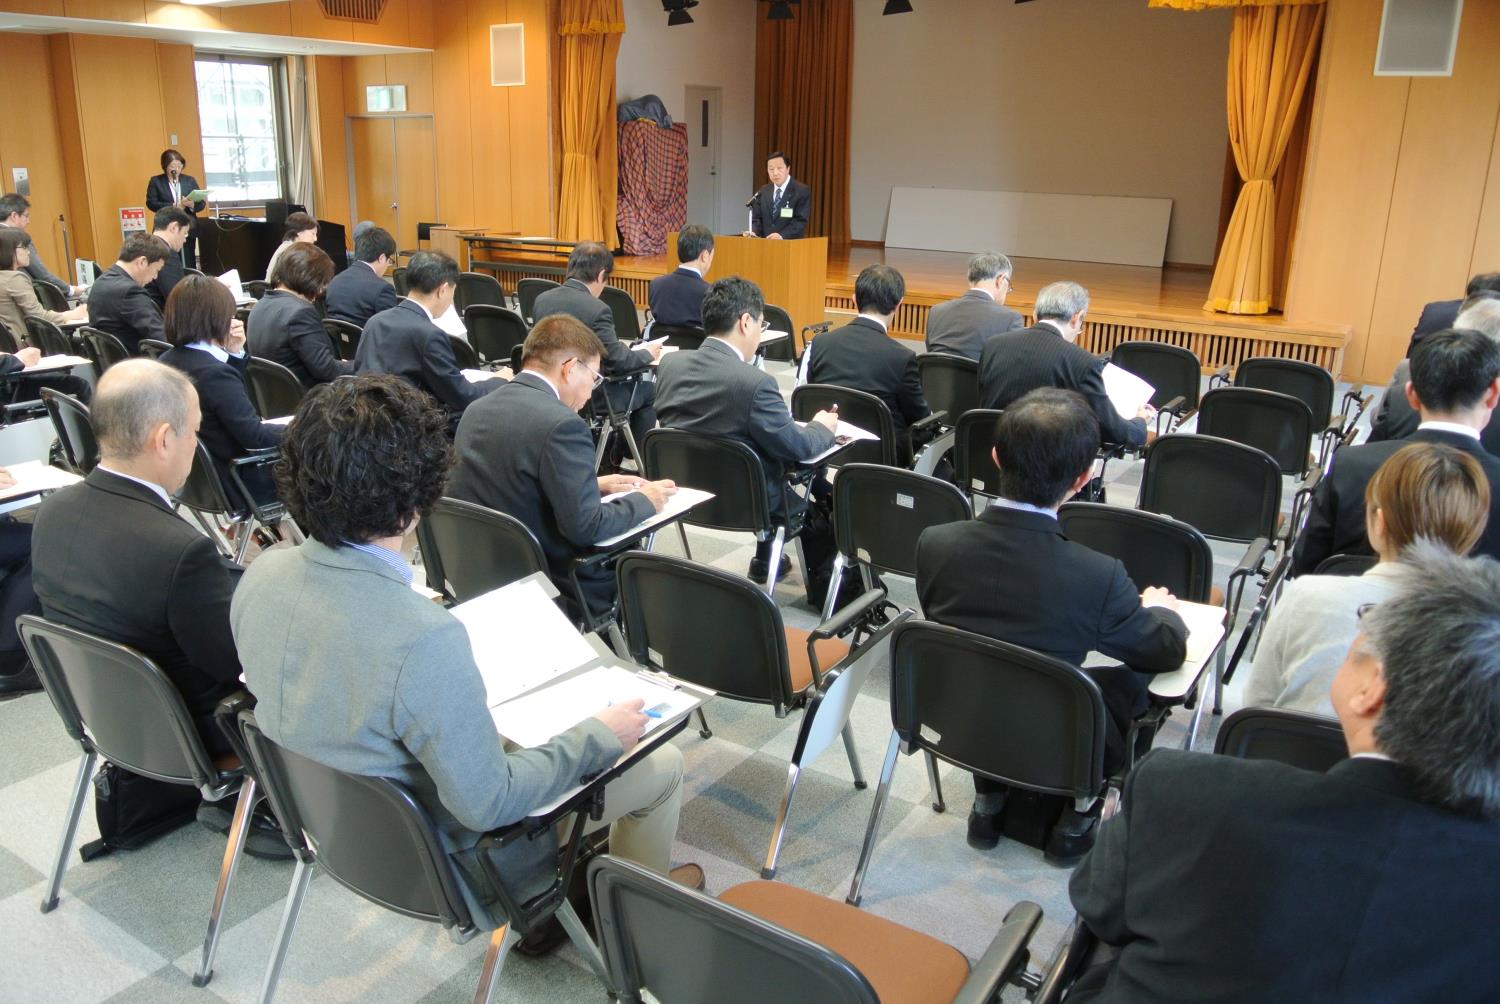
(1174, 406)
(1005, 958)
(1254, 556)
(841, 621)
(1072, 953)
(264, 455)
(227, 717)
(1221, 375)
(934, 422)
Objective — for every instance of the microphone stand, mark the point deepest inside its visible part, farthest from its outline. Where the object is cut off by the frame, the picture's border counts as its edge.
(750, 214)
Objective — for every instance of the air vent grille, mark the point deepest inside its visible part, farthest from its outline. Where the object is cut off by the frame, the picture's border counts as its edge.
(368, 11)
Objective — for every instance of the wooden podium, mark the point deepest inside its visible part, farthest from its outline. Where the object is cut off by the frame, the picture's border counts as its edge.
(791, 274)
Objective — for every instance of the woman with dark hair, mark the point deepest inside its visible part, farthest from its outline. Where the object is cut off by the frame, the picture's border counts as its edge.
(284, 326)
(300, 229)
(208, 345)
(17, 294)
(173, 188)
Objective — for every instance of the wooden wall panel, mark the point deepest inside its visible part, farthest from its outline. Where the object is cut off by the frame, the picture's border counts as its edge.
(392, 29)
(267, 18)
(1487, 239)
(52, 8)
(178, 84)
(415, 71)
(420, 16)
(308, 22)
(361, 72)
(530, 136)
(32, 142)
(180, 15)
(489, 122)
(330, 141)
(71, 145)
(451, 93)
(106, 10)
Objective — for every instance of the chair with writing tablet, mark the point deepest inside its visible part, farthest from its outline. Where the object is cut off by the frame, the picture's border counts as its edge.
(49, 296)
(75, 429)
(477, 287)
(344, 335)
(494, 332)
(622, 309)
(1175, 373)
(153, 348)
(274, 388)
(783, 349)
(468, 549)
(46, 337)
(464, 354)
(527, 290)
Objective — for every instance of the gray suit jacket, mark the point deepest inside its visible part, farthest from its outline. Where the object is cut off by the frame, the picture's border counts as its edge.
(962, 326)
(574, 299)
(374, 679)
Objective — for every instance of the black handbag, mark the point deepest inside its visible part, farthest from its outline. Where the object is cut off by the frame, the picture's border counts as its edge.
(133, 810)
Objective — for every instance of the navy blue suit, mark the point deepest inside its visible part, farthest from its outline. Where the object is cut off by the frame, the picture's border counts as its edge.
(677, 298)
(357, 294)
(231, 427)
(404, 341)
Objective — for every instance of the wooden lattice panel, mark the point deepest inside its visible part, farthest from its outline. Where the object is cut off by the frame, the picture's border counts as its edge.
(368, 11)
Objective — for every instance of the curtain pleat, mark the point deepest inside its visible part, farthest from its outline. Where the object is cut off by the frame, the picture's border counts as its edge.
(802, 99)
(589, 39)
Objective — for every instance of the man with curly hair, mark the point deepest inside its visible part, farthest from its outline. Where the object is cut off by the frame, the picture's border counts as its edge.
(374, 679)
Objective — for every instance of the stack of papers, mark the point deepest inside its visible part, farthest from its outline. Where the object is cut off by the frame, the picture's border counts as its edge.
(681, 502)
(536, 717)
(1127, 392)
(57, 363)
(33, 477)
(843, 435)
(1205, 624)
(520, 639)
(479, 376)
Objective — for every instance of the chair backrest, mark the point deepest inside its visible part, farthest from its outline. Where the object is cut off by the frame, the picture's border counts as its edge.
(1297, 738)
(131, 713)
(973, 439)
(1307, 382)
(468, 550)
(1172, 370)
(464, 354)
(477, 287)
(43, 335)
(75, 430)
(398, 279)
(627, 321)
(527, 290)
(678, 336)
(1043, 722)
(726, 467)
(275, 389)
(677, 943)
(104, 348)
(369, 833)
(879, 512)
(858, 408)
(1346, 564)
(777, 319)
(345, 337)
(8, 341)
(1223, 489)
(256, 288)
(707, 626)
(1155, 550)
(1279, 424)
(203, 491)
(494, 331)
(153, 348)
(49, 296)
(950, 383)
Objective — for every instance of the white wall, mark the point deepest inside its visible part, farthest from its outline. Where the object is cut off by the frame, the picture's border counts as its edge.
(1078, 97)
(716, 50)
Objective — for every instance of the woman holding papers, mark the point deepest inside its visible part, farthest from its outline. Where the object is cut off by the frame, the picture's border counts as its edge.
(1425, 494)
(174, 188)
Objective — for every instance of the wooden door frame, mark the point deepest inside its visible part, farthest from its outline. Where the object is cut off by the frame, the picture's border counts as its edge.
(437, 190)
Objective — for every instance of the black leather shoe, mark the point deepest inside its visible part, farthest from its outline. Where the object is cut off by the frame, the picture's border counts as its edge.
(1072, 836)
(984, 830)
(27, 681)
(544, 940)
(758, 569)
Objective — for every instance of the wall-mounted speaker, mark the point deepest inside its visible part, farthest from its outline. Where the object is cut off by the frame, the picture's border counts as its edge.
(1418, 38)
(507, 55)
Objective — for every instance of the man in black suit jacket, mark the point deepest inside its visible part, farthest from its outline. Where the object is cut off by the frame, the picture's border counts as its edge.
(964, 325)
(1045, 356)
(525, 451)
(171, 227)
(111, 557)
(118, 300)
(15, 212)
(863, 356)
(1455, 385)
(780, 210)
(716, 390)
(1012, 575)
(405, 341)
(172, 188)
(1397, 419)
(1248, 880)
(360, 292)
(1440, 315)
(677, 297)
(589, 267)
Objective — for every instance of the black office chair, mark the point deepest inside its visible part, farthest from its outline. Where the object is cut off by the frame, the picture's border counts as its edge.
(204, 495)
(75, 430)
(375, 840)
(1176, 373)
(994, 709)
(256, 288)
(468, 550)
(1296, 738)
(717, 630)
(1346, 564)
(49, 296)
(103, 348)
(8, 341)
(153, 348)
(477, 287)
(622, 308)
(782, 349)
(950, 384)
(464, 354)
(527, 290)
(494, 332)
(973, 439)
(46, 337)
(344, 335)
(1313, 386)
(769, 941)
(275, 389)
(676, 335)
(116, 703)
(860, 409)
(1281, 425)
(398, 279)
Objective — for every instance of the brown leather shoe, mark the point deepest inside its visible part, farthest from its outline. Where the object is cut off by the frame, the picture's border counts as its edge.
(689, 875)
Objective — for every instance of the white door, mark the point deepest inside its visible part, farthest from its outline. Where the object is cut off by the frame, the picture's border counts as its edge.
(703, 156)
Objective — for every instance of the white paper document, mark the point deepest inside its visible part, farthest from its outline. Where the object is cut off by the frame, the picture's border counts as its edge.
(520, 639)
(534, 718)
(666, 350)
(231, 279)
(32, 477)
(1127, 392)
(452, 322)
(1205, 624)
(681, 502)
(479, 376)
(772, 335)
(843, 435)
(58, 362)
(281, 420)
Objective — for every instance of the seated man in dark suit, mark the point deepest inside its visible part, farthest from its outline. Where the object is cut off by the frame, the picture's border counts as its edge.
(717, 391)
(1012, 575)
(1440, 315)
(1224, 879)
(862, 356)
(1046, 356)
(964, 325)
(589, 267)
(405, 341)
(1397, 419)
(172, 227)
(781, 209)
(1455, 385)
(360, 291)
(118, 301)
(525, 451)
(677, 297)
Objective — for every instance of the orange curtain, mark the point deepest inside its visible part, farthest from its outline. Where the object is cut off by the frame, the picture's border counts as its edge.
(802, 72)
(584, 99)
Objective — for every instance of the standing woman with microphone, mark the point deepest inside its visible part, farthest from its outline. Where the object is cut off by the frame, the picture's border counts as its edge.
(173, 188)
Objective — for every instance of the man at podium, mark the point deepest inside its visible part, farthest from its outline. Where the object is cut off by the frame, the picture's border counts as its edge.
(781, 208)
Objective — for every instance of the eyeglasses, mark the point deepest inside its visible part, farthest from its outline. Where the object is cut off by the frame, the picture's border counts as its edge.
(598, 377)
(1363, 608)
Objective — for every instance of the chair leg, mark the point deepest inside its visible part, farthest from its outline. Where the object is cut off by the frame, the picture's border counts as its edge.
(70, 829)
(938, 805)
(773, 561)
(778, 832)
(687, 552)
(839, 563)
(294, 897)
(599, 451)
(635, 453)
(243, 807)
(1191, 739)
(859, 775)
(579, 935)
(494, 961)
(242, 540)
(703, 729)
(616, 639)
(887, 771)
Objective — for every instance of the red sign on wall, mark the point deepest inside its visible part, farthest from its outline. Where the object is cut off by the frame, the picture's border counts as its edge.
(132, 221)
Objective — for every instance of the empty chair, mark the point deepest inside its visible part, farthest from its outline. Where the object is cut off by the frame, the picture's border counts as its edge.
(527, 290)
(950, 384)
(1313, 386)
(1176, 373)
(468, 549)
(1297, 738)
(118, 704)
(494, 332)
(464, 354)
(676, 335)
(1346, 564)
(344, 335)
(769, 941)
(152, 348)
(274, 388)
(783, 349)
(103, 348)
(49, 296)
(1279, 424)
(622, 308)
(398, 279)
(973, 441)
(477, 287)
(46, 337)
(75, 431)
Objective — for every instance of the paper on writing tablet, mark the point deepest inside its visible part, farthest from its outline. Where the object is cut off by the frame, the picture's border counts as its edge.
(34, 476)
(479, 376)
(520, 639)
(1127, 392)
(231, 279)
(57, 362)
(534, 718)
(683, 500)
(1205, 624)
